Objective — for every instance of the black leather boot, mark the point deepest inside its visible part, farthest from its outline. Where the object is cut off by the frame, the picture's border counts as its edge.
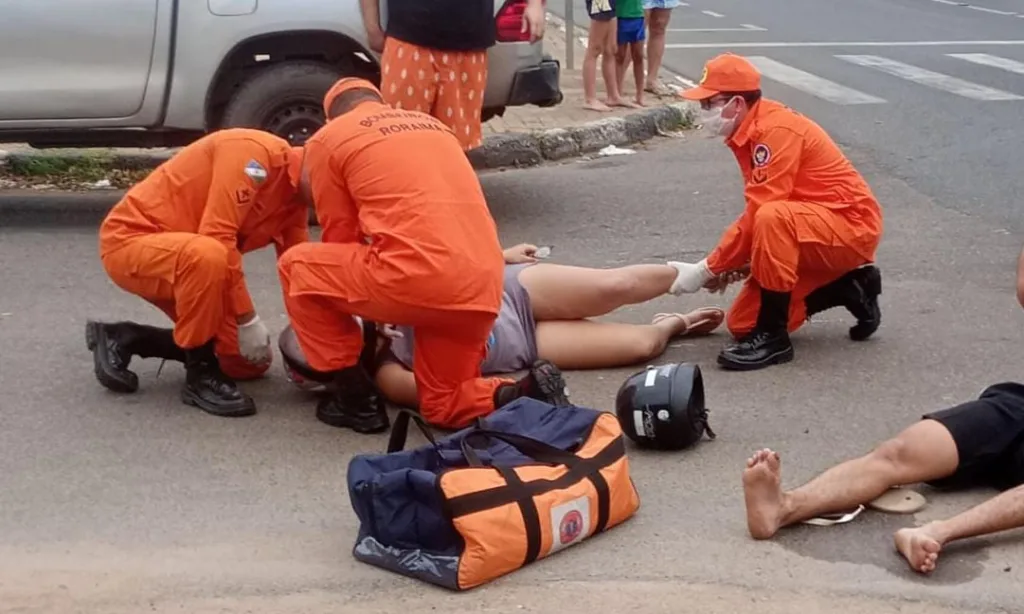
(207, 388)
(858, 292)
(114, 344)
(544, 383)
(768, 344)
(354, 403)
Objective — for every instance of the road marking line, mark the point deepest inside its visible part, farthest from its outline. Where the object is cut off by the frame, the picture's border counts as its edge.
(713, 14)
(746, 28)
(811, 84)
(946, 2)
(685, 81)
(985, 10)
(991, 60)
(845, 44)
(930, 78)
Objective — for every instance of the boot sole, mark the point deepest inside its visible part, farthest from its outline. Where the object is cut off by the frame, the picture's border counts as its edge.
(342, 422)
(777, 358)
(246, 408)
(552, 384)
(92, 333)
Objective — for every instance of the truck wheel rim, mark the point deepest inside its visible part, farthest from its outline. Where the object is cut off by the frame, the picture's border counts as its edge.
(295, 122)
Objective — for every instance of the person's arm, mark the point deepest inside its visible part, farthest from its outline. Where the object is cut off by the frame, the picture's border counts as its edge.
(233, 190)
(533, 19)
(776, 163)
(371, 22)
(335, 210)
(294, 231)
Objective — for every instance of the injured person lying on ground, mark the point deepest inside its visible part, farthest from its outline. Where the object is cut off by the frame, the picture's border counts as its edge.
(976, 443)
(544, 316)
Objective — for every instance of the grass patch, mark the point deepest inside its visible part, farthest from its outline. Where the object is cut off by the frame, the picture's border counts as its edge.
(81, 168)
(67, 172)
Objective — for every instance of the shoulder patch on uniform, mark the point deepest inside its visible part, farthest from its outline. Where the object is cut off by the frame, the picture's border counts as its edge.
(256, 171)
(762, 154)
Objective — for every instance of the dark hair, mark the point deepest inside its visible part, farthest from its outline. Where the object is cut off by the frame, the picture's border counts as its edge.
(344, 102)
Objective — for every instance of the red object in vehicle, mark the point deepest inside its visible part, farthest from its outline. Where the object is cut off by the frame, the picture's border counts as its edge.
(509, 22)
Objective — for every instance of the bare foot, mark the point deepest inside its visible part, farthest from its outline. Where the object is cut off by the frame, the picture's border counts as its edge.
(762, 492)
(596, 105)
(919, 548)
(640, 102)
(618, 102)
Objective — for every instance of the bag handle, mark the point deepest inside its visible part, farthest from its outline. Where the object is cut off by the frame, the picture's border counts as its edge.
(538, 450)
(400, 431)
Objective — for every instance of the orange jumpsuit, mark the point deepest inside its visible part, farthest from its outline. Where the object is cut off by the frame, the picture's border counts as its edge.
(408, 240)
(176, 239)
(810, 217)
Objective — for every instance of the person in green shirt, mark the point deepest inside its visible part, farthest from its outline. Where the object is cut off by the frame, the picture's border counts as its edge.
(630, 14)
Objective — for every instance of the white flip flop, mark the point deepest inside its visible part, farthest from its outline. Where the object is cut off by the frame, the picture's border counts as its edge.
(828, 520)
(899, 501)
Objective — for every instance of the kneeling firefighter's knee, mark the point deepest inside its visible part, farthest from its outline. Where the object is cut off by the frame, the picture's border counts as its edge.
(206, 257)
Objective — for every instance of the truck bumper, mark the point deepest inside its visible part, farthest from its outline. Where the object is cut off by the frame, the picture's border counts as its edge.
(537, 85)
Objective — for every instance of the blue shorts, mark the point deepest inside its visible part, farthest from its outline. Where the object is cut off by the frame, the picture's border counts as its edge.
(660, 4)
(601, 10)
(631, 30)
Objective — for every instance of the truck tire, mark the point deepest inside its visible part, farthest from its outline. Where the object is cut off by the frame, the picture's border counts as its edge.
(285, 99)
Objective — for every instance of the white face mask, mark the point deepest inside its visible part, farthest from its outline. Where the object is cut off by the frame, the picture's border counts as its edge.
(713, 124)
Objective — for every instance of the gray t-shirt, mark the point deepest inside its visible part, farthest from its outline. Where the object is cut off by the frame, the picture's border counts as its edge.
(512, 345)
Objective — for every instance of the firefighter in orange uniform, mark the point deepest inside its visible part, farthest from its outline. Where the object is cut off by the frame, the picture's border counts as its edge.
(808, 234)
(176, 239)
(407, 240)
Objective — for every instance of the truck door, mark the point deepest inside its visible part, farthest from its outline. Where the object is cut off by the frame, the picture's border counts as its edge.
(75, 59)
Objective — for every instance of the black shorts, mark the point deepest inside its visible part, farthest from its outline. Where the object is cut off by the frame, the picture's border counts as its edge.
(989, 436)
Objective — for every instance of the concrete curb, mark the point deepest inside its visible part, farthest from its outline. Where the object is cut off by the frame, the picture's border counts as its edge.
(498, 151)
(533, 148)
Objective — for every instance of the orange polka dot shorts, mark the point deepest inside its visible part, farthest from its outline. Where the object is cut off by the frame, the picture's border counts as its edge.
(446, 84)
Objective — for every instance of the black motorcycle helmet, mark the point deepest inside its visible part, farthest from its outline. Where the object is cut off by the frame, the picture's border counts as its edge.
(304, 377)
(662, 407)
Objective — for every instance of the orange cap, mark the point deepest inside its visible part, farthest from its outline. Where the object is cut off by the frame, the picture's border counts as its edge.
(343, 85)
(727, 72)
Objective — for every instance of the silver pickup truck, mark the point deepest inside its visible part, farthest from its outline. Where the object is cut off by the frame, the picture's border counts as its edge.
(161, 73)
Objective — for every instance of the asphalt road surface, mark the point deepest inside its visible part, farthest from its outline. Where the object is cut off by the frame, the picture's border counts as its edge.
(138, 503)
(932, 90)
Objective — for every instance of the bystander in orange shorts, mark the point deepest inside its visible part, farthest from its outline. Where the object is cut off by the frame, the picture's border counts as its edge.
(446, 84)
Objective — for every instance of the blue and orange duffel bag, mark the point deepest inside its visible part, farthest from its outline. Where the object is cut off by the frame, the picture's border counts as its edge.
(519, 485)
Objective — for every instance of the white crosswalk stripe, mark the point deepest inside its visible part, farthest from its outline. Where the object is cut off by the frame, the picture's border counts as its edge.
(991, 60)
(930, 78)
(811, 84)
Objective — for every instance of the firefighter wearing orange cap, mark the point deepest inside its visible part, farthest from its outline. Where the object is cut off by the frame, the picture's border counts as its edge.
(434, 56)
(176, 239)
(808, 233)
(407, 240)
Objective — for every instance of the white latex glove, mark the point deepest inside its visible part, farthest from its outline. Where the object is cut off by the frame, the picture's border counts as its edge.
(690, 278)
(254, 341)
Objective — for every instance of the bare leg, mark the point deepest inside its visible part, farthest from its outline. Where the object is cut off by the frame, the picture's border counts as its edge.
(657, 20)
(610, 69)
(621, 62)
(595, 45)
(584, 344)
(637, 51)
(924, 451)
(559, 292)
(921, 546)
(594, 48)
(398, 385)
